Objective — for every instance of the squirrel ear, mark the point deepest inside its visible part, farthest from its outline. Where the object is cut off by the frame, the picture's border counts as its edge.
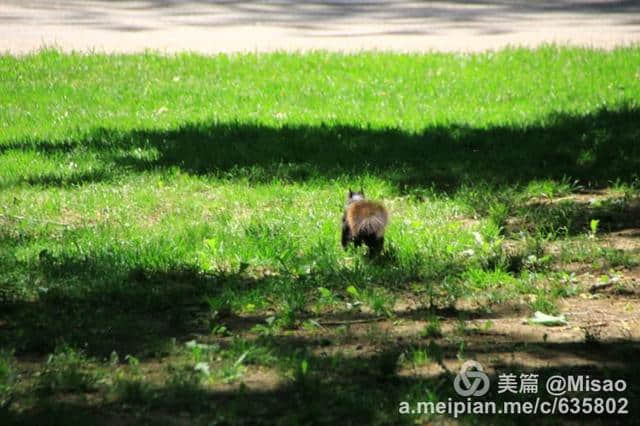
(362, 191)
(350, 192)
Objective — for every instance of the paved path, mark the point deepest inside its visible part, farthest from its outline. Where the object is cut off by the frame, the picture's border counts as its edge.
(348, 25)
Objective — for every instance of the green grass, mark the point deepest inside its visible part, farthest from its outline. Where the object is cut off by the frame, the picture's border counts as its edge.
(148, 200)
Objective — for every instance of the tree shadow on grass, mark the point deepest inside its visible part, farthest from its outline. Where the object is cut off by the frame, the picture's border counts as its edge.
(137, 317)
(569, 217)
(335, 389)
(95, 303)
(105, 306)
(104, 301)
(595, 148)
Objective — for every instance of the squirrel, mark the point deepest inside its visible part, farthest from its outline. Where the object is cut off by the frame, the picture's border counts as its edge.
(364, 221)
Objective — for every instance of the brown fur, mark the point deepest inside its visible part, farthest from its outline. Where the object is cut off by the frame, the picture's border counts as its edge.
(367, 217)
(364, 222)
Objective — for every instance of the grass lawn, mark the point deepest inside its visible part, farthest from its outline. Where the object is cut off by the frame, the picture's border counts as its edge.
(170, 233)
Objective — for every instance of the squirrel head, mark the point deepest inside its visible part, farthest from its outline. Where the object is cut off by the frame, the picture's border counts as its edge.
(355, 196)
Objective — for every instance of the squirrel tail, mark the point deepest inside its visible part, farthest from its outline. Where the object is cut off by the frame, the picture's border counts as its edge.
(373, 225)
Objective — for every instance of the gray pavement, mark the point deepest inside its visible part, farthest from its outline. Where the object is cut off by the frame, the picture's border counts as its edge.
(339, 25)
